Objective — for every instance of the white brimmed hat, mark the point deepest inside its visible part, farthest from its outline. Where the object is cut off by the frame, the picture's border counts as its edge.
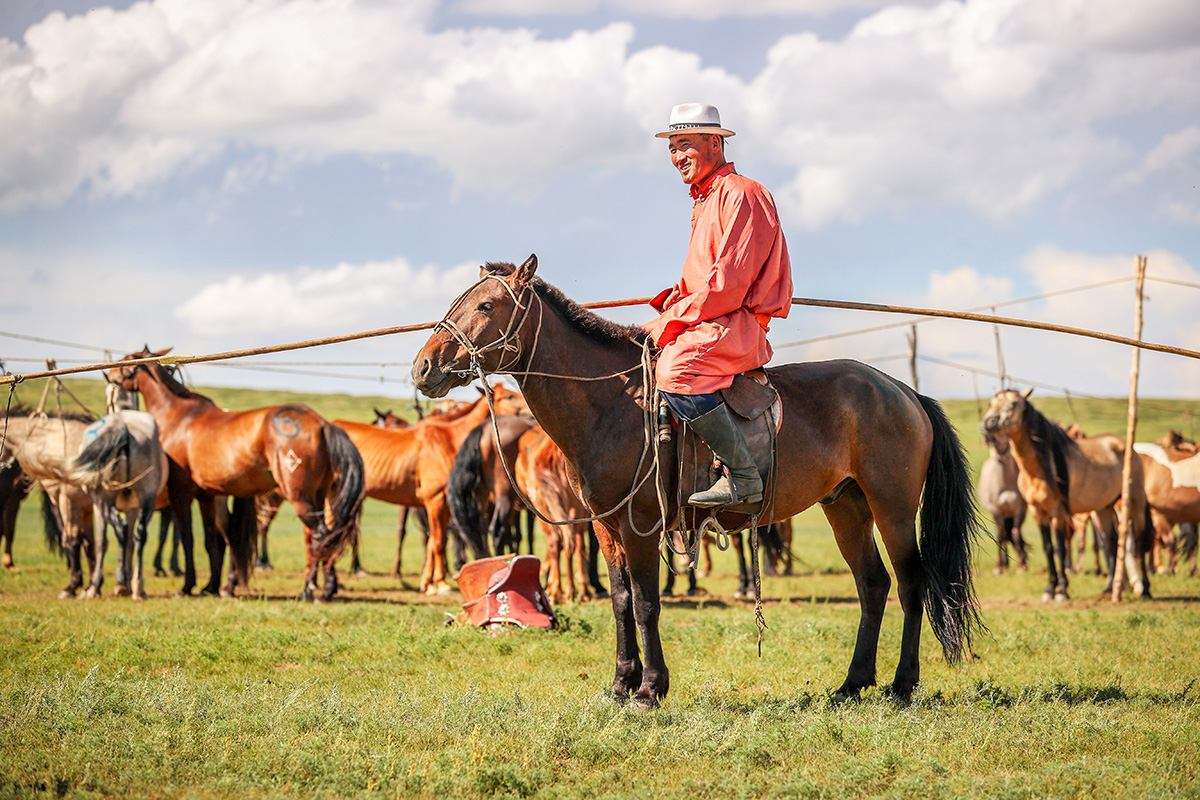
(694, 118)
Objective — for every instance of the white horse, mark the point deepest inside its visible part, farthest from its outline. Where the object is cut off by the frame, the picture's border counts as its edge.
(123, 468)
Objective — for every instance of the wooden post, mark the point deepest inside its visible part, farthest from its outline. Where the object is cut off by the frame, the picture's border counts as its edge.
(912, 356)
(1126, 528)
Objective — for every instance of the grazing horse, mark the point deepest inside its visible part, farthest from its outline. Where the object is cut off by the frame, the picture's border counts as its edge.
(1000, 496)
(123, 468)
(36, 441)
(1061, 476)
(851, 436)
(481, 478)
(247, 453)
(1172, 478)
(409, 467)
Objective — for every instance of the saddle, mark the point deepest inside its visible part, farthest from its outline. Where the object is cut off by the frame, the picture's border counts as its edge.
(758, 413)
(504, 590)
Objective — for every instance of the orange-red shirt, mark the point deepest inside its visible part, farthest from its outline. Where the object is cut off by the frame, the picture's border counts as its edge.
(736, 277)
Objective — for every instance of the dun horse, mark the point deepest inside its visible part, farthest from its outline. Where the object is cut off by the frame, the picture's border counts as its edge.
(1001, 497)
(869, 447)
(247, 453)
(1061, 476)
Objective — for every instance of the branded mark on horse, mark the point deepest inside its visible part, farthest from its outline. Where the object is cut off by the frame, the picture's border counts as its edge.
(244, 454)
(844, 424)
(1061, 476)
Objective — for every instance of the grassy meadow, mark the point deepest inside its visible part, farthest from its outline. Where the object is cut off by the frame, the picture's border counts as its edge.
(373, 696)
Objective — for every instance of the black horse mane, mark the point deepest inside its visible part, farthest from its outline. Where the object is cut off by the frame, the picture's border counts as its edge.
(1052, 444)
(168, 375)
(586, 322)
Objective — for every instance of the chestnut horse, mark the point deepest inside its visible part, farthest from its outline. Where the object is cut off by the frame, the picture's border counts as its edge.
(481, 479)
(851, 436)
(1061, 476)
(409, 467)
(245, 454)
(543, 475)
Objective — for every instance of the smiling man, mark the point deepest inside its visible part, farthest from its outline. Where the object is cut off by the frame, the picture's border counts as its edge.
(712, 324)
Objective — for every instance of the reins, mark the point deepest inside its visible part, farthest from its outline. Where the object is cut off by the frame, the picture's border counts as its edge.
(510, 341)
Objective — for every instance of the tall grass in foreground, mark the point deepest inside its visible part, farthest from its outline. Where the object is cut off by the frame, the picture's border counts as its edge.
(372, 696)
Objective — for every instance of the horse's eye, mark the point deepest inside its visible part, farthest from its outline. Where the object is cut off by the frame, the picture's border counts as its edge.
(486, 307)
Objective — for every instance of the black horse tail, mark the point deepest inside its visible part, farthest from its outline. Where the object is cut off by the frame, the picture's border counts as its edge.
(242, 535)
(52, 526)
(345, 495)
(103, 459)
(462, 492)
(949, 527)
(1188, 539)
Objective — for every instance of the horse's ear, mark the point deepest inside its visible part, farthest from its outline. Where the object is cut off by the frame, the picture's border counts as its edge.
(1025, 394)
(162, 352)
(524, 273)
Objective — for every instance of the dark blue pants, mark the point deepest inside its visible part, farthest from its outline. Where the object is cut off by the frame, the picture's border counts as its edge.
(689, 406)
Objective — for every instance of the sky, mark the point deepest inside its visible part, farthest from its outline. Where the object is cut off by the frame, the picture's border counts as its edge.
(235, 173)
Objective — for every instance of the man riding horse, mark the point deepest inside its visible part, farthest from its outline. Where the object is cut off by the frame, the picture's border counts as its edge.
(712, 324)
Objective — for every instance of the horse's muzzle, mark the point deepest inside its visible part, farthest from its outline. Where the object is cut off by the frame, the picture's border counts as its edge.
(430, 379)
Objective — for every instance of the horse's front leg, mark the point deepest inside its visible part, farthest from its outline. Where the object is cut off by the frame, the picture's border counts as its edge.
(629, 666)
(1047, 531)
(1062, 530)
(642, 569)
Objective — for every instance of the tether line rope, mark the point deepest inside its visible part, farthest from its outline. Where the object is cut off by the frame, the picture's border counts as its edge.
(11, 378)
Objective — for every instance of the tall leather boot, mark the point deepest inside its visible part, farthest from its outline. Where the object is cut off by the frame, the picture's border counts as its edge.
(717, 430)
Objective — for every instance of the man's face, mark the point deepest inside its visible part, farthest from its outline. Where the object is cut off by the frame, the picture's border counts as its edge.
(696, 155)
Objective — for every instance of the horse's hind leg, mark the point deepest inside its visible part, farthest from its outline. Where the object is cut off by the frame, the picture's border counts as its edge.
(99, 546)
(1003, 526)
(139, 532)
(850, 517)
(1051, 566)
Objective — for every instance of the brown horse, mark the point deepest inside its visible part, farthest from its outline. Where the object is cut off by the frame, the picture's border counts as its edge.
(409, 467)
(1061, 476)
(481, 481)
(851, 436)
(1172, 477)
(544, 477)
(247, 453)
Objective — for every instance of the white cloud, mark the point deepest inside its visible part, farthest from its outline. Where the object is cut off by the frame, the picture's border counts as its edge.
(681, 9)
(343, 298)
(992, 106)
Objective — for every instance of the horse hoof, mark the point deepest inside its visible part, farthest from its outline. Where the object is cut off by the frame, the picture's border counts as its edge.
(644, 704)
(444, 588)
(1047, 596)
(66, 594)
(1061, 597)
(91, 594)
(160, 573)
(140, 596)
(122, 591)
(361, 573)
(184, 593)
(666, 593)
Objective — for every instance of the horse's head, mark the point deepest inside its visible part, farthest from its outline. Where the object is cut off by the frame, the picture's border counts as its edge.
(126, 377)
(479, 332)
(998, 441)
(1004, 412)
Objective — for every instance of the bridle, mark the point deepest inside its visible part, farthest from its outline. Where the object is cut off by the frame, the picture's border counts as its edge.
(508, 342)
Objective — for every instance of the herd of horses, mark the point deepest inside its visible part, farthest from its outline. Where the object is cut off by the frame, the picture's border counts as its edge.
(571, 447)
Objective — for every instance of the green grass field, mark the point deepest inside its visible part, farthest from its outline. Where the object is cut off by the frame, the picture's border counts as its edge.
(372, 696)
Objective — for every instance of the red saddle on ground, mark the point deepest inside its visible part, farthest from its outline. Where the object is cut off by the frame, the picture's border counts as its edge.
(504, 590)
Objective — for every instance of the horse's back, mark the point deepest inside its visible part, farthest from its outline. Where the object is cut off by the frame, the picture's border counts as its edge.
(843, 392)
